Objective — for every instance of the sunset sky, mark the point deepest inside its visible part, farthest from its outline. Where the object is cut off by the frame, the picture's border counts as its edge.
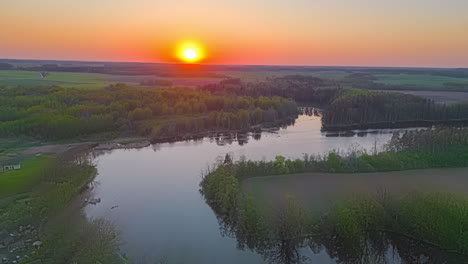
(429, 33)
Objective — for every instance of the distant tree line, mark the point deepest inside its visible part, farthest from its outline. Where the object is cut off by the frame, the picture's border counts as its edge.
(156, 82)
(6, 66)
(301, 88)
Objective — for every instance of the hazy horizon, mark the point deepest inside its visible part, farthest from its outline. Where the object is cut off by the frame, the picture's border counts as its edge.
(240, 65)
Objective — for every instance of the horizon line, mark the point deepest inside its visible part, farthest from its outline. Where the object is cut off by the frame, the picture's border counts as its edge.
(240, 65)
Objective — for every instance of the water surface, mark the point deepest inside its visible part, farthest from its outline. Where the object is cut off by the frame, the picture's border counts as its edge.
(154, 191)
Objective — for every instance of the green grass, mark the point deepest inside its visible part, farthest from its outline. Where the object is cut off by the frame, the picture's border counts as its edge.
(423, 81)
(85, 80)
(22, 180)
(64, 79)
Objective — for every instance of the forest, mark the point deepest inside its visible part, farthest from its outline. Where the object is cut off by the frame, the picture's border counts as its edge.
(55, 113)
(347, 108)
(362, 109)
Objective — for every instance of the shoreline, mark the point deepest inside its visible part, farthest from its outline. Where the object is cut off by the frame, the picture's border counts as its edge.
(135, 142)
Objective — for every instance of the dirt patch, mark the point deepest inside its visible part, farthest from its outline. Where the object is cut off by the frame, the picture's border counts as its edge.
(118, 143)
(52, 148)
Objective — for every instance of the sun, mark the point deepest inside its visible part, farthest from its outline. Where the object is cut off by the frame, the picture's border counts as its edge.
(190, 52)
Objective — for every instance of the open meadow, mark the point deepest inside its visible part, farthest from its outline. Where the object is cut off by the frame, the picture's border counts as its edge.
(63, 79)
(425, 82)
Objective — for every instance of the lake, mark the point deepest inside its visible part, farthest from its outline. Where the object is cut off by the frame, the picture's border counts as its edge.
(152, 194)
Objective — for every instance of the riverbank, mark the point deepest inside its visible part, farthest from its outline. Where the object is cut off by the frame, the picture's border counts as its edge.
(130, 142)
(26, 220)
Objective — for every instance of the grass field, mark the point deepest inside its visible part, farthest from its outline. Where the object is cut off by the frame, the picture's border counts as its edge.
(403, 81)
(176, 81)
(88, 80)
(64, 79)
(22, 180)
(424, 81)
(320, 188)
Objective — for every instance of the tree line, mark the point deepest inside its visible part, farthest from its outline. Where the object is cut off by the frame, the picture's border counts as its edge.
(361, 109)
(301, 88)
(346, 109)
(52, 112)
(432, 148)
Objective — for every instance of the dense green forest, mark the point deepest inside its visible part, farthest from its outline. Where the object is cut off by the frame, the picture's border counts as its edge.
(361, 109)
(53, 113)
(351, 108)
(57, 113)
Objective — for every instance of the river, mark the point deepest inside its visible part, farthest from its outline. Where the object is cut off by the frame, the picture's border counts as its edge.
(152, 194)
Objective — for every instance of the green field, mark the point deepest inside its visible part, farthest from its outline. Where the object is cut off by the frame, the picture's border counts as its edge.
(22, 180)
(424, 81)
(392, 81)
(88, 80)
(64, 79)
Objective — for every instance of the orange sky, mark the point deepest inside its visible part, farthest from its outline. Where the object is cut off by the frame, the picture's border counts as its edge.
(432, 33)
